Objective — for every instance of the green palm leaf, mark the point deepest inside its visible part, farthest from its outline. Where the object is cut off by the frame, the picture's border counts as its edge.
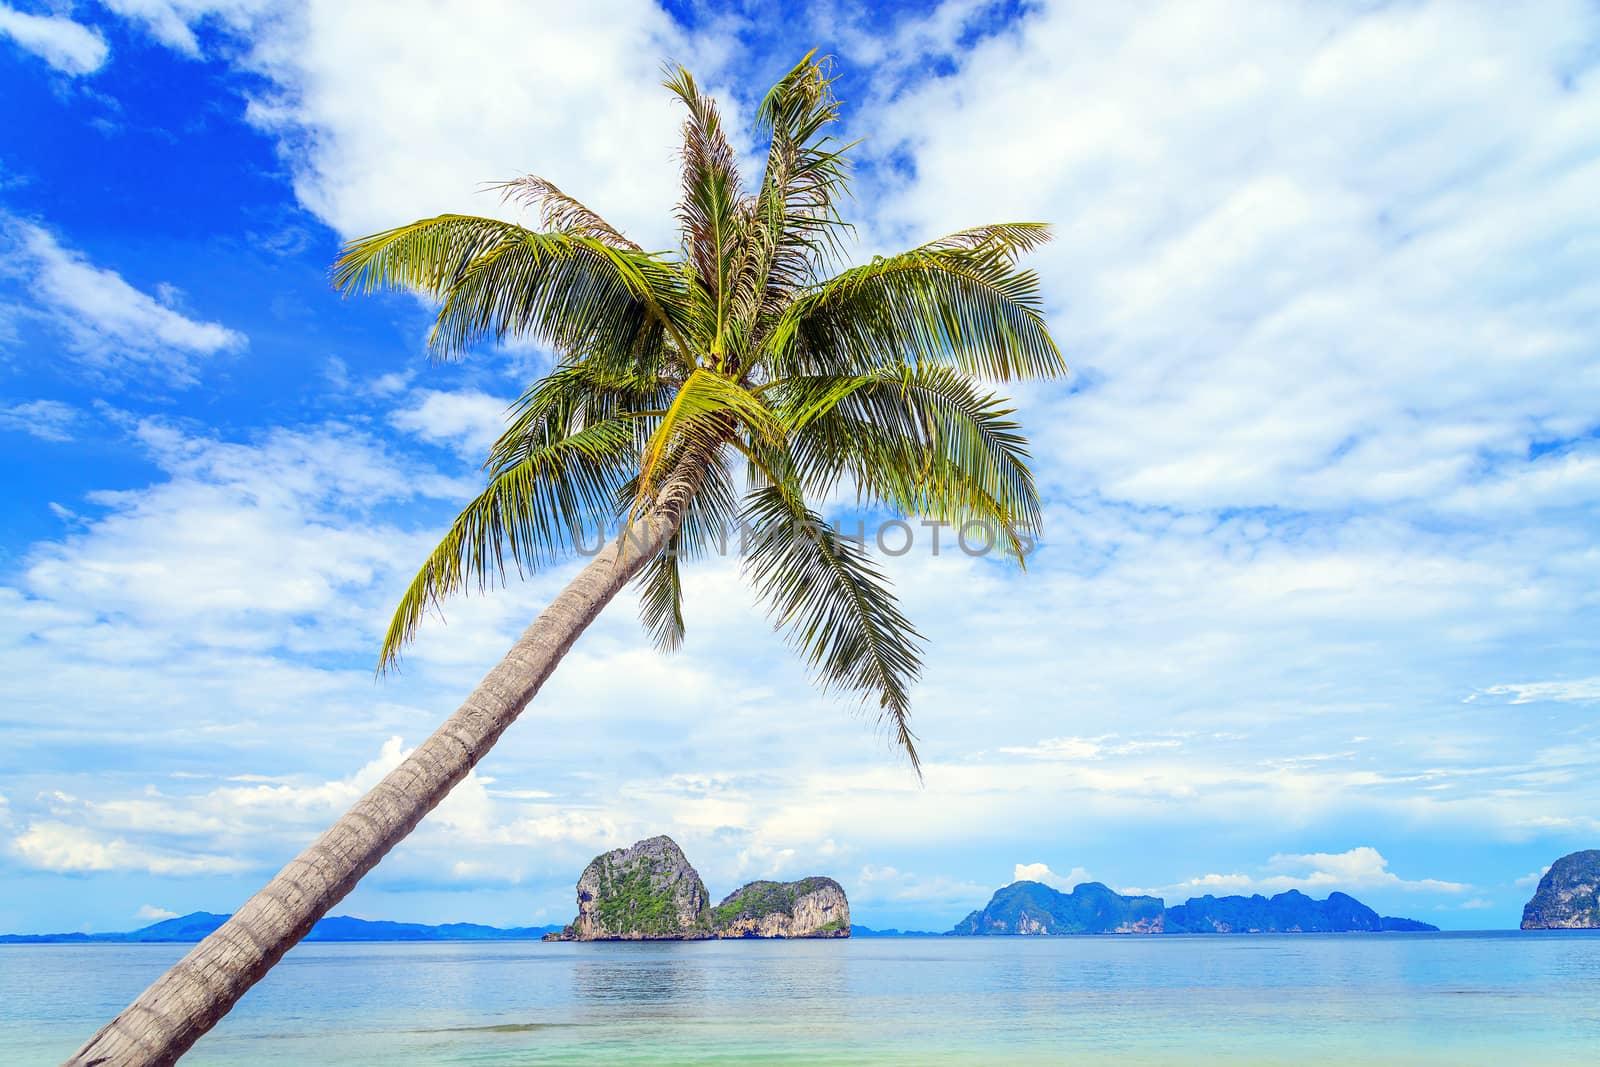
(549, 502)
(922, 440)
(836, 608)
(959, 301)
(498, 280)
(706, 413)
(708, 518)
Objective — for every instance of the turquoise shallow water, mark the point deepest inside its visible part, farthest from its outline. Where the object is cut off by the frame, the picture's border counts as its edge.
(1426, 999)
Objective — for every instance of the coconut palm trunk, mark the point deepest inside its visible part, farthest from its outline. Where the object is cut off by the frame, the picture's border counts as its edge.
(741, 354)
(185, 1002)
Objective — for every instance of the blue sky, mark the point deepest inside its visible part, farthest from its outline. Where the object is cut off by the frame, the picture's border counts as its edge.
(1317, 600)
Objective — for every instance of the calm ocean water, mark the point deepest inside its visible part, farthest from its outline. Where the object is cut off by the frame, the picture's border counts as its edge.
(1429, 999)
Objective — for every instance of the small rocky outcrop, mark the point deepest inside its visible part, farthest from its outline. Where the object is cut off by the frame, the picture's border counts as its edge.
(649, 892)
(645, 892)
(811, 907)
(1568, 897)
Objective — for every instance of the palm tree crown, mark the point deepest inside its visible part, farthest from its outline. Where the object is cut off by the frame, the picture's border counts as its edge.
(738, 354)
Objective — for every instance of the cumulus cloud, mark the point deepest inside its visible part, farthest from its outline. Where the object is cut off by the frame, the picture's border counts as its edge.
(1361, 868)
(1243, 195)
(228, 599)
(590, 115)
(111, 326)
(54, 846)
(467, 421)
(68, 46)
(1040, 872)
(1318, 873)
(151, 913)
(255, 822)
(242, 532)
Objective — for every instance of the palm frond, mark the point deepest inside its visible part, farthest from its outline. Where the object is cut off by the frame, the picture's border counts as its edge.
(573, 396)
(923, 440)
(661, 599)
(549, 502)
(571, 291)
(711, 213)
(807, 173)
(707, 410)
(427, 256)
(960, 301)
(558, 211)
(707, 518)
(836, 608)
(496, 279)
(1007, 241)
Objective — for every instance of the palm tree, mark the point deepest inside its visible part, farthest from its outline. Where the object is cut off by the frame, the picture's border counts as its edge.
(678, 373)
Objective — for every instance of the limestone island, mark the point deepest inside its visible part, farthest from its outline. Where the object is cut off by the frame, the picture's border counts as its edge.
(1568, 897)
(1032, 908)
(649, 892)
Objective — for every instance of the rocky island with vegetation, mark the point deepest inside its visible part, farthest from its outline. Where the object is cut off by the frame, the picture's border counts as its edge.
(650, 892)
(1568, 897)
(1033, 908)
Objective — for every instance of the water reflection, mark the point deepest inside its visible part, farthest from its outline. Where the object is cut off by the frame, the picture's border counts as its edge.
(661, 976)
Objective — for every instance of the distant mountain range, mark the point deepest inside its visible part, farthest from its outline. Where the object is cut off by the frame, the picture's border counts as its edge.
(197, 925)
(1092, 908)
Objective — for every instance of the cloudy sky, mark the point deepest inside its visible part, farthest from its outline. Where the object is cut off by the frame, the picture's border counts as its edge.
(1318, 599)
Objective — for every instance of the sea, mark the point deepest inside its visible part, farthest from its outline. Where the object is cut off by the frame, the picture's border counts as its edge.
(1458, 999)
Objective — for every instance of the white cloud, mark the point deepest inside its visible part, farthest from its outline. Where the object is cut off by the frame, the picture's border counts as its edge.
(1532, 879)
(256, 824)
(465, 420)
(1574, 691)
(54, 846)
(48, 420)
(243, 545)
(168, 20)
(151, 913)
(883, 885)
(1317, 873)
(1215, 884)
(68, 46)
(1359, 868)
(1309, 257)
(1040, 872)
(112, 326)
(590, 115)
(1087, 748)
